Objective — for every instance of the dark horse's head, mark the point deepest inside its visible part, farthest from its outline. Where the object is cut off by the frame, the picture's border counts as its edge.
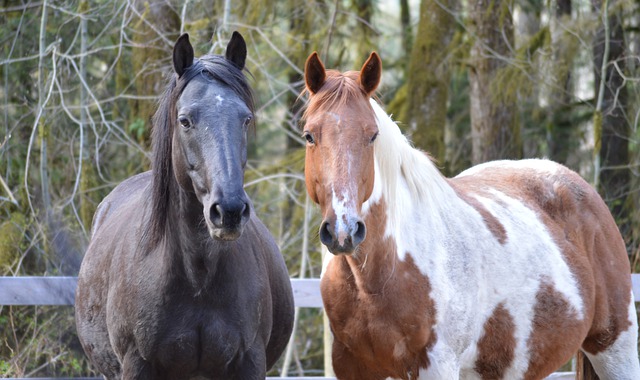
(200, 138)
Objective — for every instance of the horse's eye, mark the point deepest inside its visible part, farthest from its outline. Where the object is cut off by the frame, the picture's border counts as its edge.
(247, 121)
(309, 138)
(184, 122)
(373, 138)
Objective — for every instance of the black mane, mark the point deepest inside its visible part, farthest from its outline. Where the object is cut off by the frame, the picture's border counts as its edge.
(164, 185)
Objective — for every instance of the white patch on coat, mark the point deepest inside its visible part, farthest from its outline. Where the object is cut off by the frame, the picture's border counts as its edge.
(620, 361)
(220, 99)
(541, 165)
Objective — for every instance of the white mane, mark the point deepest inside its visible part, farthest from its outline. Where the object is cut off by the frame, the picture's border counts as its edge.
(401, 165)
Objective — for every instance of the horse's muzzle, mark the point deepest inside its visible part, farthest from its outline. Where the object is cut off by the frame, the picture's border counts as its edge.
(342, 241)
(226, 219)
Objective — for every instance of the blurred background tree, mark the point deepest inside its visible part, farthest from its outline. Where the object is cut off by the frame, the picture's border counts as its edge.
(469, 81)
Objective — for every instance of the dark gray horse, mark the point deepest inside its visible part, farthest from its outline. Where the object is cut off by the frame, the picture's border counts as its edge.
(181, 280)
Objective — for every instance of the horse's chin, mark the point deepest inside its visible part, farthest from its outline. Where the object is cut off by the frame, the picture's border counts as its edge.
(341, 251)
(225, 234)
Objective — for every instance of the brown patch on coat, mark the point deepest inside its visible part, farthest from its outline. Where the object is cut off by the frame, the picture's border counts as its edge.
(497, 345)
(492, 223)
(556, 332)
(380, 311)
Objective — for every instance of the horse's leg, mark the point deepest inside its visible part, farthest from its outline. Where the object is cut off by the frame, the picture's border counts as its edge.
(253, 365)
(617, 360)
(91, 324)
(134, 367)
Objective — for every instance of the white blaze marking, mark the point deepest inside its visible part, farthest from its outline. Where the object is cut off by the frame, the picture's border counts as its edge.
(342, 210)
(220, 99)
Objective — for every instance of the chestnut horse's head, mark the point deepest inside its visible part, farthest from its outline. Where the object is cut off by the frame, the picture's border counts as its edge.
(340, 128)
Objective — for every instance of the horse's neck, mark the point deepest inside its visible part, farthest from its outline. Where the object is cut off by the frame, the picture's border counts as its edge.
(408, 233)
(190, 240)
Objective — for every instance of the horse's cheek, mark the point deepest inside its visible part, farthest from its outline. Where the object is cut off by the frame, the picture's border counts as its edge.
(310, 177)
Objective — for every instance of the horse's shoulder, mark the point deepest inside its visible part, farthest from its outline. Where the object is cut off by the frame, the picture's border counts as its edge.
(120, 195)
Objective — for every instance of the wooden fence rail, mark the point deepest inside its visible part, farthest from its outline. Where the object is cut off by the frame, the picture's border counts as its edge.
(61, 291)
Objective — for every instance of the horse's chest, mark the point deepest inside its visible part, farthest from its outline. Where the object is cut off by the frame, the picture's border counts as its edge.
(387, 341)
(195, 341)
(213, 344)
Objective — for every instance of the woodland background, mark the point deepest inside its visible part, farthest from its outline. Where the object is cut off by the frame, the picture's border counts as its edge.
(468, 80)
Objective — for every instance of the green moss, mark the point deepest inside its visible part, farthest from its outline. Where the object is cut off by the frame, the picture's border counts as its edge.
(597, 131)
(516, 78)
(399, 106)
(11, 236)
(83, 7)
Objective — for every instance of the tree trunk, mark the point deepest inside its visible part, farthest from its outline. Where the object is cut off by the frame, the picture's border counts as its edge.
(364, 10)
(427, 90)
(495, 133)
(610, 124)
(156, 30)
(559, 131)
(407, 34)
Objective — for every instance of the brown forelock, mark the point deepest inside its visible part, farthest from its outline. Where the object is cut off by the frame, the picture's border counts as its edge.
(497, 345)
(340, 96)
(582, 227)
(556, 332)
(380, 310)
(337, 90)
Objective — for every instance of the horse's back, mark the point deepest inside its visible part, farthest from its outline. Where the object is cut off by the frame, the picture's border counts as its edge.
(580, 224)
(573, 213)
(569, 207)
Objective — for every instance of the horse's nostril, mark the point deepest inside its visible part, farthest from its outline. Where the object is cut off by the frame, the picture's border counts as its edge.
(360, 234)
(229, 214)
(246, 210)
(326, 237)
(216, 214)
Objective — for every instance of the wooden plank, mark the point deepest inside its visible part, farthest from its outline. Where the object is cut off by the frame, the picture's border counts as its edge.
(37, 290)
(306, 292)
(61, 291)
(561, 376)
(635, 285)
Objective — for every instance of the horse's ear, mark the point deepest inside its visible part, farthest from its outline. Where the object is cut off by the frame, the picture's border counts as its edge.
(370, 73)
(237, 50)
(314, 73)
(182, 54)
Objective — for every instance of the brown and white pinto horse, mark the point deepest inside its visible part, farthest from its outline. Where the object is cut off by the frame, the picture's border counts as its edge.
(503, 272)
